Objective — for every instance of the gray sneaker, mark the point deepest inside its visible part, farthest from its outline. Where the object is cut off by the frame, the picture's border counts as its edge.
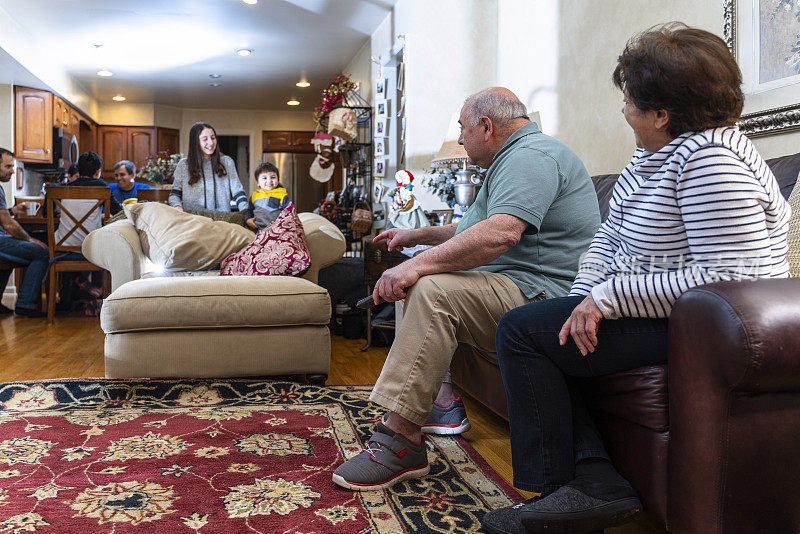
(388, 459)
(444, 421)
(447, 420)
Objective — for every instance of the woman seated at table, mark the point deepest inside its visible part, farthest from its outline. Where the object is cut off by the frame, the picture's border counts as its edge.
(696, 204)
(206, 179)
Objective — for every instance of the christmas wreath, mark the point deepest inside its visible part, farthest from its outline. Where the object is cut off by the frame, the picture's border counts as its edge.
(333, 95)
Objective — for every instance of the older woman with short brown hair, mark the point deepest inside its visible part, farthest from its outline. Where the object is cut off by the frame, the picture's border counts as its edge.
(696, 204)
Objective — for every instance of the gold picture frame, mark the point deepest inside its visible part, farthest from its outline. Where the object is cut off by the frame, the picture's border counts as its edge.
(769, 111)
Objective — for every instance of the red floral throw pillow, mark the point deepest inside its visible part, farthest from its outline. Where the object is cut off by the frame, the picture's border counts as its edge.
(279, 250)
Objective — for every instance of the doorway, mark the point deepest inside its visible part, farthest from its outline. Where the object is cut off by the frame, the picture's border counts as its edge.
(237, 147)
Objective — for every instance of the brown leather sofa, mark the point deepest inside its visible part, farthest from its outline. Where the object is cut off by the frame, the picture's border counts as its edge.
(713, 446)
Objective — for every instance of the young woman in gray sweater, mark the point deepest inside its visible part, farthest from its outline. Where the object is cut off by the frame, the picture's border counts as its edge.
(207, 179)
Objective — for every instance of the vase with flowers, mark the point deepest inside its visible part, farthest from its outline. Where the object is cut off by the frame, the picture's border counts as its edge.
(160, 168)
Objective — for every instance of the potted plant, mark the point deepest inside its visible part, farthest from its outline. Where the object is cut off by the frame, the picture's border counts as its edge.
(160, 168)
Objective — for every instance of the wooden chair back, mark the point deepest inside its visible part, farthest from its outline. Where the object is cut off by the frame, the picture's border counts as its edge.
(153, 195)
(55, 198)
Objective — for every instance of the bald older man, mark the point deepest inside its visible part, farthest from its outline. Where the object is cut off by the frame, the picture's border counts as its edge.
(519, 241)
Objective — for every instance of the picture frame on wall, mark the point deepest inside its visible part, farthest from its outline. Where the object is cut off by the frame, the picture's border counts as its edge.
(764, 37)
(382, 109)
(380, 89)
(380, 147)
(380, 167)
(380, 127)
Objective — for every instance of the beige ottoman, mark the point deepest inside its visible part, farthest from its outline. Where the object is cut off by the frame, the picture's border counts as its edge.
(217, 326)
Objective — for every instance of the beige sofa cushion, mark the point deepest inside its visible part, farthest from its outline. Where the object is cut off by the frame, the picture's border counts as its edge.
(209, 302)
(183, 242)
(793, 238)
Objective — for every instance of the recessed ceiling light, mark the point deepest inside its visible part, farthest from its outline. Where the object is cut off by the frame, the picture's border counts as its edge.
(293, 103)
(244, 51)
(250, 2)
(214, 84)
(302, 84)
(104, 72)
(215, 76)
(118, 98)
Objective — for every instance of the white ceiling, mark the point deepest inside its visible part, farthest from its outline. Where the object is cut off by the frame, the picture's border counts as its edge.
(162, 51)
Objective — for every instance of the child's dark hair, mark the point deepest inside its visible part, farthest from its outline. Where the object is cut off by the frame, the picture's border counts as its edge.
(267, 167)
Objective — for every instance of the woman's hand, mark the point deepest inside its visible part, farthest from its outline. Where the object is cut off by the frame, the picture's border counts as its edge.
(396, 238)
(178, 208)
(251, 222)
(582, 325)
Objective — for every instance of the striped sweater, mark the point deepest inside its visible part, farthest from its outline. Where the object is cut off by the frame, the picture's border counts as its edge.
(212, 193)
(704, 208)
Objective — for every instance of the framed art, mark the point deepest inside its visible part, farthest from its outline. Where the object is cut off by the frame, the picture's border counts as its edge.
(764, 37)
(380, 167)
(380, 127)
(380, 89)
(382, 109)
(380, 147)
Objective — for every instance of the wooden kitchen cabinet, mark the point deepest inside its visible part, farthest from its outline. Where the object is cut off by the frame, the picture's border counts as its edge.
(301, 141)
(132, 143)
(141, 144)
(275, 141)
(281, 141)
(168, 140)
(60, 113)
(33, 125)
(73, 122)
(113, 147)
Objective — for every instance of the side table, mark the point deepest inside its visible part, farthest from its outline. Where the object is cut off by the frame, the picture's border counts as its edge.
(377, 259)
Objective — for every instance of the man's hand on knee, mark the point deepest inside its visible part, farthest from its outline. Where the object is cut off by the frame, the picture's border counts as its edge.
(394, 282)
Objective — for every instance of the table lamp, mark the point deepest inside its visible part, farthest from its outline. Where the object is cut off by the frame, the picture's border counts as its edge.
(466, 185)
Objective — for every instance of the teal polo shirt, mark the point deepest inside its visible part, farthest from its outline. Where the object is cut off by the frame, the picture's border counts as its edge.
(540, 180)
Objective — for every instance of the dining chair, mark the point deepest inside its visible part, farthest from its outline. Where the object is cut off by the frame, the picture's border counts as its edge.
(80, 208)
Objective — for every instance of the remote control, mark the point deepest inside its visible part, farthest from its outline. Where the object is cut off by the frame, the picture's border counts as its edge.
(367, 303)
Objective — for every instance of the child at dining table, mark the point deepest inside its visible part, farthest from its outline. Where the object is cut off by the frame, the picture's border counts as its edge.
(266, 202)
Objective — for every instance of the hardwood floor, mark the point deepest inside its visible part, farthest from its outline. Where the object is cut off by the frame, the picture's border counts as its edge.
(73, 348)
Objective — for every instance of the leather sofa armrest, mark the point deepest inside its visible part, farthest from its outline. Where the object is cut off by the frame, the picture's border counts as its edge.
(734, 379)
(741, 336)
(117, 249)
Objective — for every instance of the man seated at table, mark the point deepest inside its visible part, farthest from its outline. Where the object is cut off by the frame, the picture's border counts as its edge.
(17, 246)
(126, 186)
(75, 286)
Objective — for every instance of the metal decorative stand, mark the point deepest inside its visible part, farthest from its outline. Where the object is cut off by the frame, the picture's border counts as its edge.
(356, 158)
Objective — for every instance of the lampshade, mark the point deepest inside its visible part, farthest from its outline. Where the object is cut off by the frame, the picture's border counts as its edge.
(451, 151)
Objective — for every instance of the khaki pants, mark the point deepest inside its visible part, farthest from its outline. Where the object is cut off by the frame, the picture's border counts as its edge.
(440, 311)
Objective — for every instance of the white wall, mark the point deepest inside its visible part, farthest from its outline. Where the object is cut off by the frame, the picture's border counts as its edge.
(40, 63)
(556, 55)
(450, 52)
(168, 116)
(125, 114)
(359, 70)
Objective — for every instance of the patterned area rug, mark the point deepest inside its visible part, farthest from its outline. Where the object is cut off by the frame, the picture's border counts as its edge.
(115, 456)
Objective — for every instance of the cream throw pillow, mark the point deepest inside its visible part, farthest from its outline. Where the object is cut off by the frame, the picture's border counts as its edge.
(182, 242)
(793, 239)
